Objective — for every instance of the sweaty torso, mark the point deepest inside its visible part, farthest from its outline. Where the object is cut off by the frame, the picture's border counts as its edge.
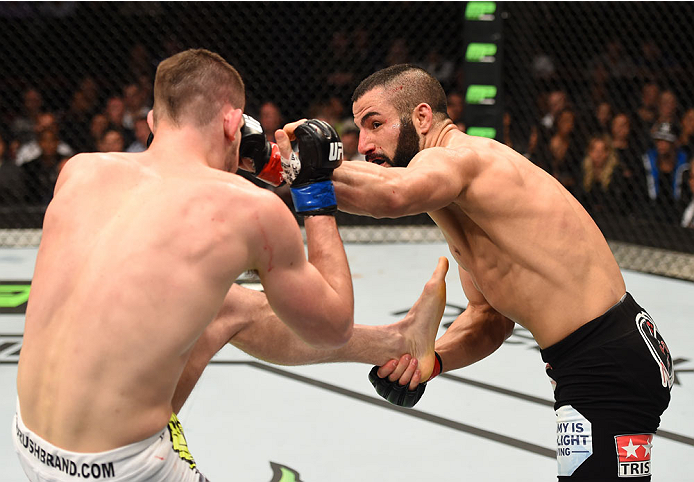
(529, 246)
(129, 272)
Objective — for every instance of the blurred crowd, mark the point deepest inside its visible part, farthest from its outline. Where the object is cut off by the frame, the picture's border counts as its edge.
(623, 161)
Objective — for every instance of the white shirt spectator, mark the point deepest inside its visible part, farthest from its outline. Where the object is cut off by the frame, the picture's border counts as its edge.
(32, 150)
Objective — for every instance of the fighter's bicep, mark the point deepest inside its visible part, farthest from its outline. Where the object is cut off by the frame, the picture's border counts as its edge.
(476, 298)
(274, 239)
(472, 293)
(278, 255)
(436, 178)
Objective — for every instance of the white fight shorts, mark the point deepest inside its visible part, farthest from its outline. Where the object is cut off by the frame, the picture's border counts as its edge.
(162, 457)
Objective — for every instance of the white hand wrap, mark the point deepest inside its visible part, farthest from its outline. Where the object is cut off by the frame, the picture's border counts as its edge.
(291, 168)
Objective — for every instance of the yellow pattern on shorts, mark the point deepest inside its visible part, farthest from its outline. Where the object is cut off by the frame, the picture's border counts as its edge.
(178, 440)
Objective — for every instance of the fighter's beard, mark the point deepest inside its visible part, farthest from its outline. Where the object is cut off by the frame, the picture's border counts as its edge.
(408, 144)
(407, 148)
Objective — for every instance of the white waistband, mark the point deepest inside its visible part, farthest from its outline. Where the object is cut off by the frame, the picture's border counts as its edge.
(109, 465)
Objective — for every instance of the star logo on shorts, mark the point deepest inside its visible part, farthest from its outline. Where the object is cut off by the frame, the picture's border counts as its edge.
(630, 449)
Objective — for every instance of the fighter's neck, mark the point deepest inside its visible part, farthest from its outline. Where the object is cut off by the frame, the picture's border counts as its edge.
(441, 134)
(185, 146)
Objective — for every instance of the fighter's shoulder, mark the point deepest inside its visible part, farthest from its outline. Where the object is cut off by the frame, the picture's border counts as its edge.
(234, 186)
(450, 155)
(90, 168)
(95, 162)
(232, 191)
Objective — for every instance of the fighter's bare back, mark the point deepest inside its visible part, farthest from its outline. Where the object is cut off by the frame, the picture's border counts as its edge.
(142, 249)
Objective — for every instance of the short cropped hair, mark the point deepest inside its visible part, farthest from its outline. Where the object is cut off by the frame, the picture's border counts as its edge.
(407, 86)
(192, 87)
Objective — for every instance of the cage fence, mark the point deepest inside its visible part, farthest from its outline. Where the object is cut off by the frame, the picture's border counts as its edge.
(599, 94)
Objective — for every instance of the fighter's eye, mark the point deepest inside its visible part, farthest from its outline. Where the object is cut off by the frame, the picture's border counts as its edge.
(375, 125)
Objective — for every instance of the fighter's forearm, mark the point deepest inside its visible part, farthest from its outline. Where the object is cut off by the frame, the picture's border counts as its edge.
(360, 189)
(327, 253)
(474, 335)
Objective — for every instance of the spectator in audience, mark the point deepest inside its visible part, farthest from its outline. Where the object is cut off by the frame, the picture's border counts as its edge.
(77, 119)
(512, 134)
(112, 141)
(688, 215)
(531, 151)
(115, 113)
(10, 177)
(565, 152)
(364, 61)
(141, 134)
(600, 122)
(556, 102)
(550, 105)
(32, 150)
(602, 189)
(146, 83)
(646, 114)
(438, 66)
(92, 97)
(97, 128)
(24, 124)
(617, 61)
(629, 153)
(667, 110)
(339, 66)
(324, 111)
(40, 173)
(665, 166)
(140, 62)
(350, 142)
(398, 52)
(134, 106)
(686, 140)
(270, 119)
(455, 104)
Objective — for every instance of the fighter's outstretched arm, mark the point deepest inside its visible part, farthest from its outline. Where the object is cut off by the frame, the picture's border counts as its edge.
(434, 179)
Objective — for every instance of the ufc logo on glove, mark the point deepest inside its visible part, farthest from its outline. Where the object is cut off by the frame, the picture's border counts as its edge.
(335, 151)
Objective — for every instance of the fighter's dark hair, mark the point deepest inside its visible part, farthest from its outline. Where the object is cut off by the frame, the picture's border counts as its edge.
(407, 86)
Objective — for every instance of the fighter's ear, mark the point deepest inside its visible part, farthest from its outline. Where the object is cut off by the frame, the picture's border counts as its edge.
(150, 120)
(233, 121)
(423, 117)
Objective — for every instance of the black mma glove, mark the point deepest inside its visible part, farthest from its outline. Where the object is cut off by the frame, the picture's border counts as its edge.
(265, 155)
(398, 394)
(320, 149)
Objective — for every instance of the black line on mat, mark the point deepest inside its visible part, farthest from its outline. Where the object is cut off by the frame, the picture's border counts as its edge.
(529, 398)
(461, 427)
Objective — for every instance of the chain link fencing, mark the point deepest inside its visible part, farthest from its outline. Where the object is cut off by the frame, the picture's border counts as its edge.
(597, 93)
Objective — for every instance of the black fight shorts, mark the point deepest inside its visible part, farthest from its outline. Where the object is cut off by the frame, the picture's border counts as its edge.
(612, 379)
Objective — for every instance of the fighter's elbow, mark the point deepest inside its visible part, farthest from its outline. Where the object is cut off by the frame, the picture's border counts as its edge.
(343, 334)
(333, 335)
(394, 203)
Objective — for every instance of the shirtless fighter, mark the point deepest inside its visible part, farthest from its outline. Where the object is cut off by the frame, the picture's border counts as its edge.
(528, 253)
(137, 255)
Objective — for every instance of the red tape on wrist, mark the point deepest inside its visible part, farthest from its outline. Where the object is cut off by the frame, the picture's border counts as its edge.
(272, 172)
(438, 366)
